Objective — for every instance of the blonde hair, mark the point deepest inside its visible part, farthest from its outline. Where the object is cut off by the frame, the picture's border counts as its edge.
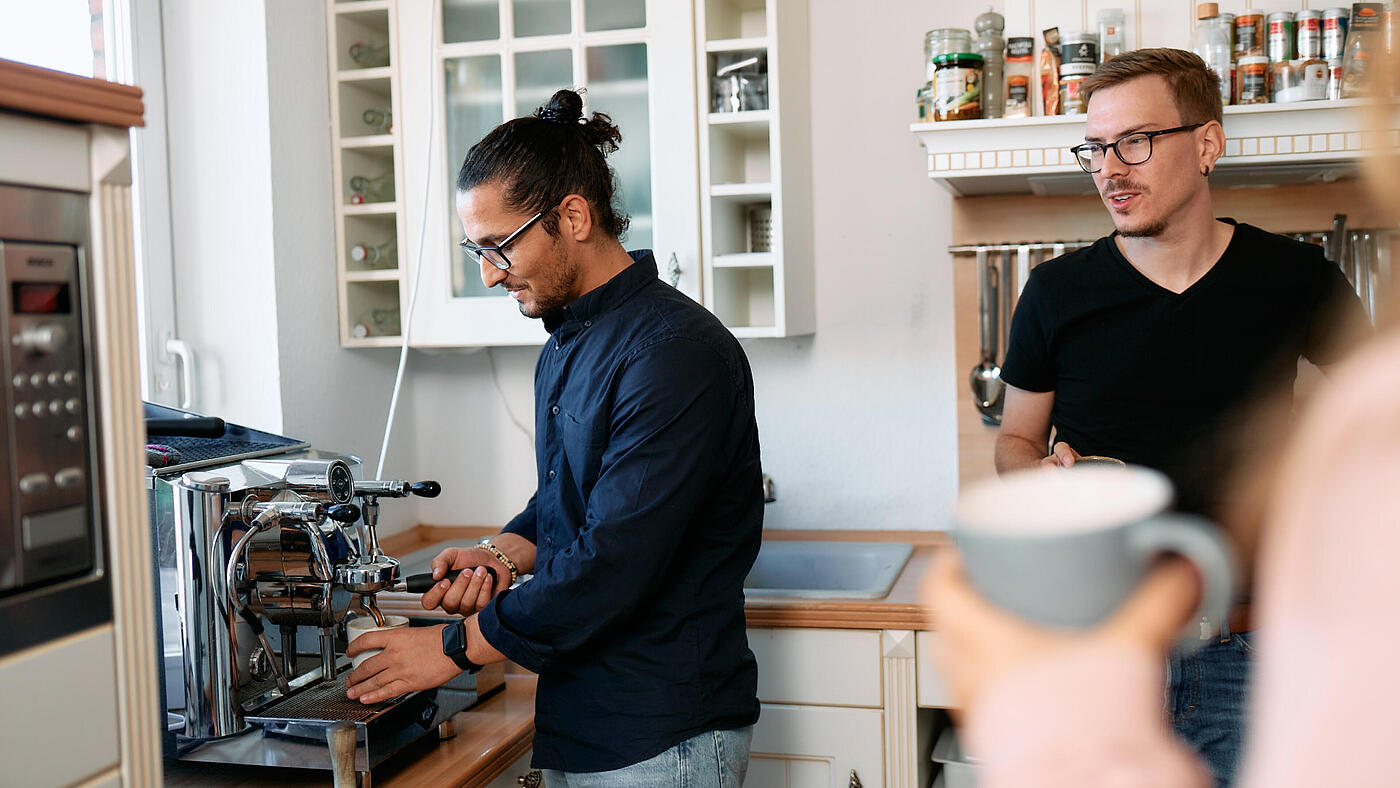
(1194, 86)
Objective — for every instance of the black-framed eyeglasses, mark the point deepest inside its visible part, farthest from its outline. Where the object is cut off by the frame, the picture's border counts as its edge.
(1134, 148)
(496, 255)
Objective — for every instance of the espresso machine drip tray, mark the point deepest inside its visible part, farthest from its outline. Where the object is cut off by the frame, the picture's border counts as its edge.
(326, 702)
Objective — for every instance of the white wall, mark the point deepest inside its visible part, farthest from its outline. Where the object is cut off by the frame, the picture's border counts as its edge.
(221, 211)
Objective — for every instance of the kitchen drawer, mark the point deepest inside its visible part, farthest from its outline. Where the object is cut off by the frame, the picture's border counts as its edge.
(830, 667)
(933, 691)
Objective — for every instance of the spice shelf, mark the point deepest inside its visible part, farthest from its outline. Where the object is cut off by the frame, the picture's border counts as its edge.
(1266, 145)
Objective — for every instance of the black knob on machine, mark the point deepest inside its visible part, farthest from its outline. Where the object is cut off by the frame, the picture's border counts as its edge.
(343, 512)
(426, 489)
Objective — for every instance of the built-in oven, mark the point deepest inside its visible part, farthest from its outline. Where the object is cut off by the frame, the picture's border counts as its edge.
(52, 579)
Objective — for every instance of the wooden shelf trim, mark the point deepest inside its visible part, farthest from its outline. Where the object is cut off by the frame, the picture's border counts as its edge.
(41, 91)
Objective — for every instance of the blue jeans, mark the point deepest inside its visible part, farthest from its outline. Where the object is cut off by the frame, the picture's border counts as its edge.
(1206, 702)
(714, 759)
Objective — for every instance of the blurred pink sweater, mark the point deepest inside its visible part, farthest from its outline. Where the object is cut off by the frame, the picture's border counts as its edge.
(1325, 708)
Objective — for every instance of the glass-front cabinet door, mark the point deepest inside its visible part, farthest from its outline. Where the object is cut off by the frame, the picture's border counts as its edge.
(497, 59)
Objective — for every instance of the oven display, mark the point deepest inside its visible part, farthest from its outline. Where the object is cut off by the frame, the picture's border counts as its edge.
(42, 298)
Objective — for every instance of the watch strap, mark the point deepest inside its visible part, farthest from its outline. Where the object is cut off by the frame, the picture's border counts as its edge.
(454, 646)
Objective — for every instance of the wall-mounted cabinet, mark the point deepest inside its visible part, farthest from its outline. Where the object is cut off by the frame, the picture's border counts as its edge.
(368, 169)
(721, 192)
(476, 63)
(755, 165)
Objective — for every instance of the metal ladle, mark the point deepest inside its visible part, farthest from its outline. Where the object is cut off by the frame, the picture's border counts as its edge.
(987, 386)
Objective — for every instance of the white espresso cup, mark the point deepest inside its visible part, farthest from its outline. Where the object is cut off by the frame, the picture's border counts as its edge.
(359, 625)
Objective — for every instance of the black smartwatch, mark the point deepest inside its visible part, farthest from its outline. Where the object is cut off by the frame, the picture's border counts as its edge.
(454, 645)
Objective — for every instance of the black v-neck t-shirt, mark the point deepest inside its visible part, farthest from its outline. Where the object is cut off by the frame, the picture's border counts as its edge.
(1162, 379)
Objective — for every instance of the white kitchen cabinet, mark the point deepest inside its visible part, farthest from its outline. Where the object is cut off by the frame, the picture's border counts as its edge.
(815, 747)
(836, 701)
(367, 163)
(755, 169)
(933, 690)
(468, 65)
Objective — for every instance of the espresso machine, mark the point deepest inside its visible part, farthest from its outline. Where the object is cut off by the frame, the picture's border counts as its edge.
(264, 548)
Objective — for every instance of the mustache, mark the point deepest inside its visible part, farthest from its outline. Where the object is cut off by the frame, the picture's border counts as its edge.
(1121, 185)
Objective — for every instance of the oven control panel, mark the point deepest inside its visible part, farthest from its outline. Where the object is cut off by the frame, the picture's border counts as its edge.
(48, 530)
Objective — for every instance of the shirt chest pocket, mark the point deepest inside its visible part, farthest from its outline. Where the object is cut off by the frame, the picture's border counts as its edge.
(584, 442)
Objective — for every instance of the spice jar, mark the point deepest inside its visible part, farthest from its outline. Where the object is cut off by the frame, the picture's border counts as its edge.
(1072, 76)
(944, 41)
(1250, 34)
(957, 86)
(1252, 80)
(1298, 80)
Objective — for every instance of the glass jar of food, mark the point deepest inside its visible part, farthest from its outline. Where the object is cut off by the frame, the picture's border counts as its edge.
(944, 41)
(957, 86)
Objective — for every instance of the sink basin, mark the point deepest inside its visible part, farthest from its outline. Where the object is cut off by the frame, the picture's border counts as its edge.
(854, 570)
(850, 570)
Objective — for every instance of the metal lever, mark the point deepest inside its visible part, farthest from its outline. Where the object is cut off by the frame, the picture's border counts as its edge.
(398, 489)
(344, 513)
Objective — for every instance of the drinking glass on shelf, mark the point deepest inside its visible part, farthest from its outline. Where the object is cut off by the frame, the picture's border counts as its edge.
(367, 54)
(375, 255)
(379, 119)
(365, 190)
(377, 322)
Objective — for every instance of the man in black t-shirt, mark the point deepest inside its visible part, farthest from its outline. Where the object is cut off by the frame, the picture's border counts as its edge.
(1148, 345)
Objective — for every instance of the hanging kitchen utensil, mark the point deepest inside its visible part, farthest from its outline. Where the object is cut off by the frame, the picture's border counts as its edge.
(987, 386)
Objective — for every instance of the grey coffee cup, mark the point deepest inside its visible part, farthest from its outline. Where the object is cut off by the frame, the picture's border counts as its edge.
(1065, 550)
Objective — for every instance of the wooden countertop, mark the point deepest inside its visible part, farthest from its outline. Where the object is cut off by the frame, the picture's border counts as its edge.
(490, 737)
(53, 94)
(900, 609)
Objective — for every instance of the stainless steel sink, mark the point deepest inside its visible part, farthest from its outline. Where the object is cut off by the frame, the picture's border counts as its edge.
(855, 570)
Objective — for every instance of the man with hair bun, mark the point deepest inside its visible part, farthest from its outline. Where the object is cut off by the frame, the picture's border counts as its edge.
(1149, 345)
(648, 509)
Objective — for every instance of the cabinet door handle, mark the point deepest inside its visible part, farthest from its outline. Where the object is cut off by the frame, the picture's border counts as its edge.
(673, 270)
(181, 351)
(855, 780)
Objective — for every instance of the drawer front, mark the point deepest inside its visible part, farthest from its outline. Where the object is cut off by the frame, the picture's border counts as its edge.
(829, 667)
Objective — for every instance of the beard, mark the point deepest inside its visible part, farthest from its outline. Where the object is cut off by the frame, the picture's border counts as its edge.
(1148, 230)
(1151, 230)
(552, 288)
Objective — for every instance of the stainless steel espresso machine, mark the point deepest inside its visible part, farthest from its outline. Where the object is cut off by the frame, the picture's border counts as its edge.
(264, 548)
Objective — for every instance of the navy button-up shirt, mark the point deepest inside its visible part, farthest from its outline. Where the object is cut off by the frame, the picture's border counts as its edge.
(647, 517)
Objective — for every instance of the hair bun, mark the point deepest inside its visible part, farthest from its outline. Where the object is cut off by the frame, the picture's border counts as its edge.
(564, 107)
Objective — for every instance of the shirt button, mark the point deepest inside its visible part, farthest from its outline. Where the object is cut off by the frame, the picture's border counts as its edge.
(587, 323)
(551, 474)
(554, 410)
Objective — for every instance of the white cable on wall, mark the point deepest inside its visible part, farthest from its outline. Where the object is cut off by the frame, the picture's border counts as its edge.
(418, 258)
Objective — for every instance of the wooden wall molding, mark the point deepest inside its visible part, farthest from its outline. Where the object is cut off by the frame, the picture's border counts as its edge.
(53, 94)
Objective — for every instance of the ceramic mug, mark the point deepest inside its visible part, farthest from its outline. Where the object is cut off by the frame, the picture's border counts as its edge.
(359, 625)
(1065, 550)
